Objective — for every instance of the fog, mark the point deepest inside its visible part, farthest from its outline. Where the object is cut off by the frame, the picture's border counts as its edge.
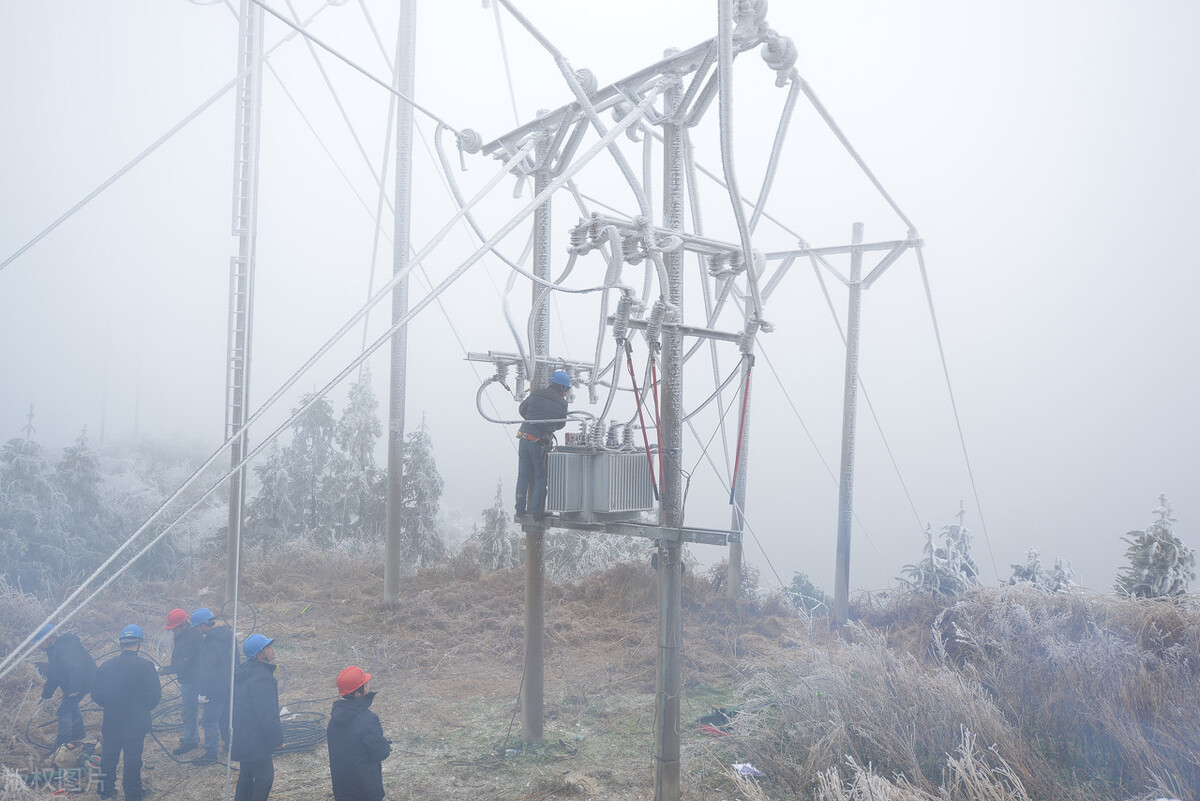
(1045, 152)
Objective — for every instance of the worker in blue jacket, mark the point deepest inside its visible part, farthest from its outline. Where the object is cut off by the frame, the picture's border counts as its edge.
(215, 661)
(127, 687)
(544, 412)
(71, 669)
(257, 732)
(357, 746)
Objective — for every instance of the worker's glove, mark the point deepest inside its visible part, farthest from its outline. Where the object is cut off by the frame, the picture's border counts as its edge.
(43, 668)
(202, 699)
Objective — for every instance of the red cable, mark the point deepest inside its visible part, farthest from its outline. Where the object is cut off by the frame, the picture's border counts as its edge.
(737, 459)
(657, 427)
(641, 420)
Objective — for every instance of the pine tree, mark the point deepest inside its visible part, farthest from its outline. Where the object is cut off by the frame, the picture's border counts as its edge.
(1160, 565)
(270, 515)
(308, 460)
(421, 500)
(360, 505)
(809, 597)
(35, 546)
(947, 570)
(499, 545)
(77, 476)
(1059, 579)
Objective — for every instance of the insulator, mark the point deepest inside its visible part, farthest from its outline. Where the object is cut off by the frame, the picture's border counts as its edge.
(614, 434)
(621, 317)
(470, 140)
(587, 80)
(654, 326)
(579, 236)
(583, 431)
(627, 437)
(718, 264)
(596, 434)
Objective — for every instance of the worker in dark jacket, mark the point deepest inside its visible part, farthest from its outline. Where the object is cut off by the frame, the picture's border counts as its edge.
(185, 652)
(71, 669)
(257, 733)
(127, 687)
(214, 669)
(357, 746)
(544, 412)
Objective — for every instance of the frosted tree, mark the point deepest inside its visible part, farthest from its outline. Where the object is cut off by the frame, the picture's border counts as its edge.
(421, 500)
(1160, 565)
(948, 569)
(309, 460)
(77, 477)
(270, 515)
(571, 556)
(1058, 579)
(499, 545)
(360, 505)
(35, 545)
(808, 596)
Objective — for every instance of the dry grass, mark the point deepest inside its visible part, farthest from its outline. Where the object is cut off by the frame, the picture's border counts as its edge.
(1004, 696)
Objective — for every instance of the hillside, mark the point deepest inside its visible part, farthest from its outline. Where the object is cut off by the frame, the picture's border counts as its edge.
(1009, 693)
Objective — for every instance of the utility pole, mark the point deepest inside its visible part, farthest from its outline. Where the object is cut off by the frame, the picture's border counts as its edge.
(241, 271)
(841, 573)
(533, 689)
(737, 523)
(670, 549)
(406, 43)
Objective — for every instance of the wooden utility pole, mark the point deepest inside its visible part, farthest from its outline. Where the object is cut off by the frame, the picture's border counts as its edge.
(406, 43)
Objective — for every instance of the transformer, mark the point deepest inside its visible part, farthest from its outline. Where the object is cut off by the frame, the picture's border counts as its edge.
(596, 486)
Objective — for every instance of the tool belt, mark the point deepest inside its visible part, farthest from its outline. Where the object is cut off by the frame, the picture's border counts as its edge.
(530, 437)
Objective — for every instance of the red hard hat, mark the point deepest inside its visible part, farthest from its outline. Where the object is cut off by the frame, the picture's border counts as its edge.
(351, 679)
(176, 618)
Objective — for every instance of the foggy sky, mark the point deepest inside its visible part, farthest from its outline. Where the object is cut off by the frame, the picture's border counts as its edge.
(1046, 153)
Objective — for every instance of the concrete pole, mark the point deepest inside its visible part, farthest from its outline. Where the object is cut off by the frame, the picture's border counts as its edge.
(406, 43)
(737, 523)
(841, 573)
(241, 271)
(669, 677)
(533, 687)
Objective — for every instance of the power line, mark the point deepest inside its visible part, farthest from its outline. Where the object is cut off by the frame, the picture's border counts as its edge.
(954, 405)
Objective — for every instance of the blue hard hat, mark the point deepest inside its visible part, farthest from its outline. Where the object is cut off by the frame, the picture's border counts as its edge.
(201, 615)
(132, 632)
(43, 632)
(255, 643)
(561, 378)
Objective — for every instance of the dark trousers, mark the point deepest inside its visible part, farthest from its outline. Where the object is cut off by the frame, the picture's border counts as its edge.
(215, 722)
(531, 476)
(110, 753)
(189, 697)
(255, 780)
(70, 720)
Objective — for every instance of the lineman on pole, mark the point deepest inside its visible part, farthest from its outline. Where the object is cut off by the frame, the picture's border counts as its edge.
(544, 412)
